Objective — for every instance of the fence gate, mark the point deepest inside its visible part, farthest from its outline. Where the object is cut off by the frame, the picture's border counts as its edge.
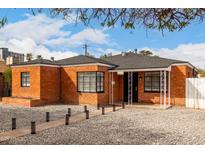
(195, 93)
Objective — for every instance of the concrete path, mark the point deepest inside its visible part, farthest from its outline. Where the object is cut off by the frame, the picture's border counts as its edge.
(73, 119)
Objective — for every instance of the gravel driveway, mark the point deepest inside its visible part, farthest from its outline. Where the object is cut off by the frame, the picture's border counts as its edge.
(24, 115)
(129, 126)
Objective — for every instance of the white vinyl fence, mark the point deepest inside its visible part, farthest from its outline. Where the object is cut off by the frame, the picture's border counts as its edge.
(195, 93)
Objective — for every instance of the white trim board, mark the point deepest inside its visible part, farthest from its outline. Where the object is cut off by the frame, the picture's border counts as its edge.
(33, 65)
(30, 65)
(154, 69)
(142, 70)
(89, 64)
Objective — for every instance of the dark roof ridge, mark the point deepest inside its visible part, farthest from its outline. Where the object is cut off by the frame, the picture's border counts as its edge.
(152, 56)
(83, 59)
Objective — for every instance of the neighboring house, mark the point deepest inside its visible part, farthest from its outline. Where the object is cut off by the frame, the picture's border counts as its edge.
(11, 57)
(127, 77)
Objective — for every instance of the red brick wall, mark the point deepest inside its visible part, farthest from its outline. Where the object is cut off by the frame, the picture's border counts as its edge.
(69, 92)
(147, 97)
(178, 83)
(47, 85)
(103, 98)
(118, 87)
(50, 84)
(44, 83)
(177, 89)
(28, 92)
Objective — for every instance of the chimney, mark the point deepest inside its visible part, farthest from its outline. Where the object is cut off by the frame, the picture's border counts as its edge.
(52, 58)
(135, 51)
(123, 53)
(39, 57)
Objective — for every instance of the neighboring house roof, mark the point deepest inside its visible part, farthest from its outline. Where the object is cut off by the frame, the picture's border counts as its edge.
(81, 59)
(136, 61)
(3, 66)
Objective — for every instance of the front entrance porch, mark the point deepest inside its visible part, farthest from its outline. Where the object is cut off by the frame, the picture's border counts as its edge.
(130, 91)
(148, 87)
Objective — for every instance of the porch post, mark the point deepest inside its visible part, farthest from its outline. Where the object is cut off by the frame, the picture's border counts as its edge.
(165, 88)
(131, 87)
(169, 90)
(112, 88)
(161, 83)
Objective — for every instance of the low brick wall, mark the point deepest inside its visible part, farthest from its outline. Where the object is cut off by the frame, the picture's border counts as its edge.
(25, 102)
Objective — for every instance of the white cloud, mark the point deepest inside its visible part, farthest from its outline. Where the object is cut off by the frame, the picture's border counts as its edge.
(41, 34)
(194, 53)
(95, 36)
(29, 46)
(39, 28)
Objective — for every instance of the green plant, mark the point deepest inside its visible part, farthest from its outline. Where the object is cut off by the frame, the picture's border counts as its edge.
(202, 72)
(7, 76)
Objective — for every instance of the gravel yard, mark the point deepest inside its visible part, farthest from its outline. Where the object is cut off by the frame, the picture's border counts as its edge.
(129, 126)
(24, 115)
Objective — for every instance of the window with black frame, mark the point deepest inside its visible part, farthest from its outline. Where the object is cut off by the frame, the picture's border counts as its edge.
(25, 79)
(90, 81)
(152, 82)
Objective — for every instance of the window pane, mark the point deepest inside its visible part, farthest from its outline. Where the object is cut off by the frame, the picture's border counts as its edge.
(80, 79)
(87, 81)
(25, 79)
(93, 87)
(148, 89)
(86, 87)
(152, 81)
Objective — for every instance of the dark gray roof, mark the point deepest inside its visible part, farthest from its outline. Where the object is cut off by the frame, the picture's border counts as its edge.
(118, 62)
(68, 61)
(136, 61)
(37, 61)
(81, 59)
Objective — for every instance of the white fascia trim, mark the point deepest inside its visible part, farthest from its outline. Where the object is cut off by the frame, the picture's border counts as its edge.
(32, 65)
(89, 64)
(142, 70)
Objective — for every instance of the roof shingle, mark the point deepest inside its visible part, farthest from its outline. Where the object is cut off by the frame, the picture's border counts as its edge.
(118, 62)
(136, 61)
(81, 59)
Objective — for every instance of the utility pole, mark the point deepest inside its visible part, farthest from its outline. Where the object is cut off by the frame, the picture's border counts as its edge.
(85, 47)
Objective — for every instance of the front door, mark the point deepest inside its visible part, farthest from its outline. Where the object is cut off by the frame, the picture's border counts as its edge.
(134, 87)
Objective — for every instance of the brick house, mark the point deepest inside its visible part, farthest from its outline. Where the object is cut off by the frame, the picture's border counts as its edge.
(127, 77)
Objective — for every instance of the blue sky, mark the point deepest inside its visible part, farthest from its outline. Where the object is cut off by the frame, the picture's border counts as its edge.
(49, 36)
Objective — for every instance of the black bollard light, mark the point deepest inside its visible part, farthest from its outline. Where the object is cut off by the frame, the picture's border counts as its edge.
(98, 106)
(33, 127)
(47, 116)
(103, 110)
(123, 105)
(69, 112)
(87, 114)
(66, 119)
(113, 107)
(85, 108)
(13, 125)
